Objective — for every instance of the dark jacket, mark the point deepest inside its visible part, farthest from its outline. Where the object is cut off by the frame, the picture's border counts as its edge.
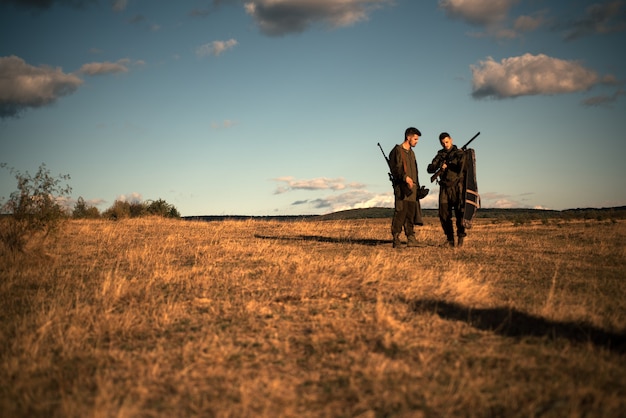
(455, 172)
(403, 164)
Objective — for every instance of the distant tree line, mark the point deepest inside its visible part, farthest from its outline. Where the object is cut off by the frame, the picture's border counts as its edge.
(122, 209)
(37, 208)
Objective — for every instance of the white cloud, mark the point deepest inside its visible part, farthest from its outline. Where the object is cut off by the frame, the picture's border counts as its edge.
(493, 16)
(530, 75)
(477, 12)
(23, 85)
(133, 197)
(320, 183)
(431, 201)
(491, 200)
(505, 204)
(353, 199)
(351, 195)
(100, 68)
(363, 199)
(215, 48)
(280, 17)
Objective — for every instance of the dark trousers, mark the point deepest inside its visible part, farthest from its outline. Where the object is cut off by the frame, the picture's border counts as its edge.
(451, 198)
(404, 217)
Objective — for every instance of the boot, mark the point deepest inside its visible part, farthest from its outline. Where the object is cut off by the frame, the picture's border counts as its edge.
(396, 240)
(460, 243)
(411, 241)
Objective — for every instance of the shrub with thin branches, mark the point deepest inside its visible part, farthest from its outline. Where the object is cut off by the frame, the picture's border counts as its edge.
(34, 207)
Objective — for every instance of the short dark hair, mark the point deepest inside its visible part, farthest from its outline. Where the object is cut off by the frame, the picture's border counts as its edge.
(443, 135)
(411, 131)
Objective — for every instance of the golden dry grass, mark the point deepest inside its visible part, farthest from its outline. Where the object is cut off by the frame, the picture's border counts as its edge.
(152, 317)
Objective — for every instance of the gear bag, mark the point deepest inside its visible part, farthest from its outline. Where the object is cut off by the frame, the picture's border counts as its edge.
(470, 190)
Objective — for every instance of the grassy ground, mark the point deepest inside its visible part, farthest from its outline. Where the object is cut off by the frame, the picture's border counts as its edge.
(151, 317)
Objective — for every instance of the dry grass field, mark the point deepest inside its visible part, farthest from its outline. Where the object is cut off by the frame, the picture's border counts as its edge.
(174, 318)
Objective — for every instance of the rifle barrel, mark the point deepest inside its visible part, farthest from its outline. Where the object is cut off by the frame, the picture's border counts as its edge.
(470, 141)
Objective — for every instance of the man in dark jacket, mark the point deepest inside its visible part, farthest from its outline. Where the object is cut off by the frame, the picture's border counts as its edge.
(451, 161)
(407, 211)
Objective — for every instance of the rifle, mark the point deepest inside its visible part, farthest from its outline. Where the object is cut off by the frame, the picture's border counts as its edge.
(439, 171)
(421, 193)
(388, 165)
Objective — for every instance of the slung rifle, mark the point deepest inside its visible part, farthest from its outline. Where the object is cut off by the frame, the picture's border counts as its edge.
(440, 171)
(422, 192)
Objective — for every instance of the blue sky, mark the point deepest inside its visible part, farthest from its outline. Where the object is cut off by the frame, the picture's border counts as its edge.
(275, 107)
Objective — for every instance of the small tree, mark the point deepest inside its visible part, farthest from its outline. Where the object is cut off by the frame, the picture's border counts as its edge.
(161, 208)
(84, 211)
(119, 210)
(137, 209)
(34, 207)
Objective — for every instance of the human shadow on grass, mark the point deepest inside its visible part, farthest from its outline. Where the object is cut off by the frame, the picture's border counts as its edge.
(513, 323)
(320, 238)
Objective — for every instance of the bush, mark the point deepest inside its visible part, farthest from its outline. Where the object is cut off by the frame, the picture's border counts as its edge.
(161, 208)
(137, 209)
(121, 209)
(84, 211)
(34, 207)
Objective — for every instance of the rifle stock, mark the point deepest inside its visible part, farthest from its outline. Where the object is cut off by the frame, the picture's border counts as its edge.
(437, 174)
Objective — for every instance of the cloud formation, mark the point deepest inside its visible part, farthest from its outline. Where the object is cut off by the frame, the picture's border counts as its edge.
(46, 4)
(25, 86)
(277, 18)
(529, 23)
(119, 5)
(134, 197)
(604, 100)
(529, 75)
(493, 200)
(215, 48)
(211, 8)
(320, 183)
(600, 18)
(39, 5)
(100, 68)
(349, 195)
(477, 12)
(354, 199)
(493, 16)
